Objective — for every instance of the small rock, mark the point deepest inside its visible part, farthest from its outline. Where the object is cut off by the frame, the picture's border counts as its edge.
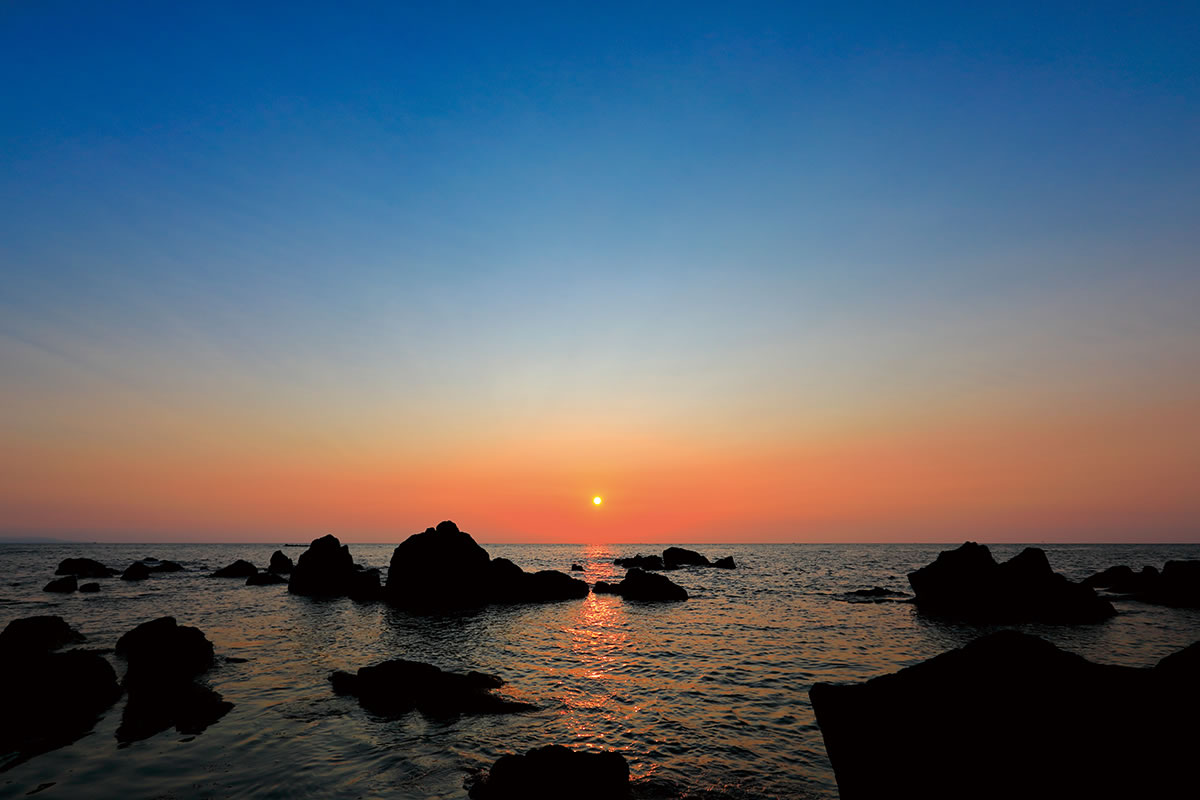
(675, 557)
(238, 569)
(644, 586)
(62, 585)
(264, 579)
(400, 686)
(137, 571)
(280, 563)
(576, 568)
(89, 587)
(84, 568)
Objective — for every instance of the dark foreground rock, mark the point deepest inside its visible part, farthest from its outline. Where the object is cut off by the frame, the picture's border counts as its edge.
(399, 686)
(1178, 584)
(1010, 715)
(137, 571)
(62, 585)
(238, 569)
(84, 568)
(646, 586)
(445, 568)
(265, 579)
(967, 584)
(164, 659)
(280, 563)
(554, 772)
(51, 698)
(326, 569)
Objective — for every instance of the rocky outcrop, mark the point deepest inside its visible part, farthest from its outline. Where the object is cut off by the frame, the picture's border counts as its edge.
(399, 686)
(1010, 715)
(326, 569)
(444, 568)
(676, 557)
(62, 585)
(967, 584)
(1177, 585)
(164, 660)
(645, 586)
(51, 698)
(280, 563)
(84, 568)
(640, 562)
(137, 571)
(265, 579)
(554, 772)
(238, 569)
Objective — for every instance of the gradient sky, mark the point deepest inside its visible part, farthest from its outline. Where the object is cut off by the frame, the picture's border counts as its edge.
(777, 272)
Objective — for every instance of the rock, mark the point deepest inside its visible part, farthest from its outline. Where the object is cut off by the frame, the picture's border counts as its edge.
(137, 571)
(1010, 715)
(399, 686)
(554, 772)
(280, 564)
(164, 659)
(646, 586)
(1179, 585)
(445, 569)
(967, 584)
(641, 562)
(725, 563)
(576, 568)
(36, 635)
(264, 579)
(62, 585)
(166, 566)
(84, 568)
(876, 594)
(326, 569)
(89, 587)
(238, 569)
(675, 557)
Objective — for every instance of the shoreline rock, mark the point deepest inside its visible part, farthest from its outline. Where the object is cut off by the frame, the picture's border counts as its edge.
(554, 772)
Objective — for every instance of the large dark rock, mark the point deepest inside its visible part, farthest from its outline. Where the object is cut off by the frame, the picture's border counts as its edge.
(967, 584)
(399, 686)
(265, 579)
(554, 772)
(84, 568)
(641, 585)
(675, 557)
(1179, 585)
(238, 569)
(326, 569)
(1124, 580)
(62, 585)
(640, 562)
(444, 568)
(137, 571)
(280, 563)
(164, 659)
(1010, 715)
(36, 635)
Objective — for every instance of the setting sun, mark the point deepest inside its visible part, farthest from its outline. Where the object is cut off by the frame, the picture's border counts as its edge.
(597, 500)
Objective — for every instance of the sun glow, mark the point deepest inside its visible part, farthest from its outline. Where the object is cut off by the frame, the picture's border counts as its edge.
(597, 500)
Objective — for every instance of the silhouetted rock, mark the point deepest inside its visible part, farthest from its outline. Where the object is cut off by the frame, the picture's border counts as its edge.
(326, 569)
(137, 571)
(399, 686)
(265, 579)
(1179, 585)
(238, 569)
(165, 566)
(640, 562)
(641, 585)
(969, 585)
(576, 568)
(36, 635)
(84, 568)
(675, 557)
(62, 585)
(89, 587)
(1010, 715)
(876, 594)
(725, 563)
(280, 564)
(444, 568)
(554, 772)
(164, 659)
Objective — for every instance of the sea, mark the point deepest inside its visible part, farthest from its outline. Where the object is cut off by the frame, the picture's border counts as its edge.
(710, 694)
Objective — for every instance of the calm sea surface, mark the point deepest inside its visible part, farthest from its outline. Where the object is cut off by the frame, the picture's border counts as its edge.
(711, 693)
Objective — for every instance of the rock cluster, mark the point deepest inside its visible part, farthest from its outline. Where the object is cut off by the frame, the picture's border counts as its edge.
(1178, 584)
(554, 772)
(968, 584)
(674, 558)
(399, 686)
(326, 569)
(1010, 715)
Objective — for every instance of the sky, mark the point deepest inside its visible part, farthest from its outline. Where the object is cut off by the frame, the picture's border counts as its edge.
(749, 272)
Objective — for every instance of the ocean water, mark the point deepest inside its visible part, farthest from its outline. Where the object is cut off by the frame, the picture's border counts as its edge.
(711, 693)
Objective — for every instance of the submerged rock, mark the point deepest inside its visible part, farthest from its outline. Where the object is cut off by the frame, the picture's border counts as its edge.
(84, 568)
(326, 569)
(445, 568)
(62, 585)
(876, 594)
(400, 686)
(554, 772)
(137, 571)
(280, 563)
(646, 586)
(238, 569)
(265, 579)
(968, 584)
(36, 635)
(675, 557)
(1010, 715)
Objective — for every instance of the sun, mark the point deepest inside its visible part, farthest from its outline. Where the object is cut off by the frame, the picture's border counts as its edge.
(597, 500)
